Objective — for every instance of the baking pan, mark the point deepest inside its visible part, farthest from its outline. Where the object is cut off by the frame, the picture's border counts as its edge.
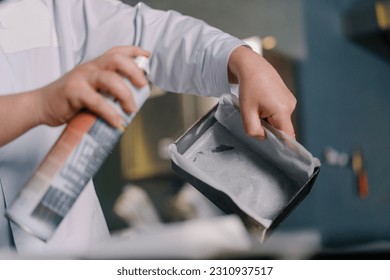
(261, 181)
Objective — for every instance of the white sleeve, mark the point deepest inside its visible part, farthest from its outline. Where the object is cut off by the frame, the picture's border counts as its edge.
(187, 54)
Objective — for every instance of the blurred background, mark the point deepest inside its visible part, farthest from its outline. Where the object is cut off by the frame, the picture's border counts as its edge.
(334, 55)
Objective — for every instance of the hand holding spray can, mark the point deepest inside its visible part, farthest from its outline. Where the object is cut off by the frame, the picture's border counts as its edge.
(70, 164)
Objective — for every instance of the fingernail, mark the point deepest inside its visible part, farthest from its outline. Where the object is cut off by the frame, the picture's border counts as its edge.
(141, 83)
(121, 128)
(119, 123)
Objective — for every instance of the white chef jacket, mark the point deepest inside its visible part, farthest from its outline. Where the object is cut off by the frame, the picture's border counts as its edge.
(40, 40)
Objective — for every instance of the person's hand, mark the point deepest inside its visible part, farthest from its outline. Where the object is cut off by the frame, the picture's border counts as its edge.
(81, 88)
(262, 93)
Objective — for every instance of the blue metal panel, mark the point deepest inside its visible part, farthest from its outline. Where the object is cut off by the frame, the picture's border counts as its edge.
(345, 92)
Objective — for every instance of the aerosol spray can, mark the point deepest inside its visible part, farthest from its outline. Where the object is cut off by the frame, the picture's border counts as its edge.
(73, 160)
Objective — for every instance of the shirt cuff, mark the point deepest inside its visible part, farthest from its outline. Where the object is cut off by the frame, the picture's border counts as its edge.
(216, 66)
